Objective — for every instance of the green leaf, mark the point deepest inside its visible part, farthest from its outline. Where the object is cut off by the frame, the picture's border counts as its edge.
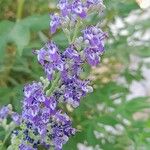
(37, 22)
(5, 27)
(2, 47)
(60, 39)
(136, 105)
(142, 51)
(20, 35)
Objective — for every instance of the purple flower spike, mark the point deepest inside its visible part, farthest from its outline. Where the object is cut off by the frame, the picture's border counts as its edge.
(94, 40)
(95, 37)
(55, 22)
(42, 123)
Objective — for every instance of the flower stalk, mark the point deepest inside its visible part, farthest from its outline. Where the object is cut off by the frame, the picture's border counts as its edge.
(19, 9)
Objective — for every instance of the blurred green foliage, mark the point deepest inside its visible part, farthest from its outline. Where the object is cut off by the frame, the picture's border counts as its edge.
(27, 28)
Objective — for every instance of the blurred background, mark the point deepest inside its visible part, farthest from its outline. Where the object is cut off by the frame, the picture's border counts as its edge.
(116, 116)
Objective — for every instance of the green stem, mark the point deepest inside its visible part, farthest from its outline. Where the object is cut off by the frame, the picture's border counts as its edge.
(67, 34)
(20, 9)
(68, 37)
(52, 148)
(56, 81)
(6, 138)
(54, 84)
(76, 31)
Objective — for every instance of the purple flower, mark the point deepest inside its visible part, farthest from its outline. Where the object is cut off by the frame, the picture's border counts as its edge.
(92, 57)
(51, 103)
(55, 22)
(62, 131)
(93, 2)
(49, 69)
(62, 118)
(71, 53)
(50, 58)
(33, 97)
(42, 55)
(25, 147)
(4, 112)
(31, 89)
(40, 113)
(73, 63)
(79, 9)
(53, 52)
(64, 7)
(16, 118)
(94, 40)
(74, 89)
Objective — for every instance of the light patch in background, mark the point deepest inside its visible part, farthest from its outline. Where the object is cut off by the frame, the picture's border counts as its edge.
(144, 4)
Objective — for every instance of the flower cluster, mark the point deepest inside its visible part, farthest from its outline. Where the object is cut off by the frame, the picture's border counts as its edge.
(94, 40)
(6, 111)
(69, 64)
(73, 10)
(43, 122)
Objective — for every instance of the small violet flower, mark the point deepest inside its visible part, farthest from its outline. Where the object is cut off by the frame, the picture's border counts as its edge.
(55, 22)
(79, 9)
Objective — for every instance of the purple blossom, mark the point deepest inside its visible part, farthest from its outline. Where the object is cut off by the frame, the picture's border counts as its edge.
(4, 112)
(74, 89)
(42, 55)
(79, 9)
(71, 53)
(93, 2)
(25, 147)
(40, 112)
(31, 89)
(64, 7)
(53, 52)
(62, 132)
(94, 40)
(73, 63)
(55, 22)
(92, 57)
(50, 58)
(16, 118)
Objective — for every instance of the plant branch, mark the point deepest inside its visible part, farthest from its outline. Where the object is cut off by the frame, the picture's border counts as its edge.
(20, 9)
(54, 84)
